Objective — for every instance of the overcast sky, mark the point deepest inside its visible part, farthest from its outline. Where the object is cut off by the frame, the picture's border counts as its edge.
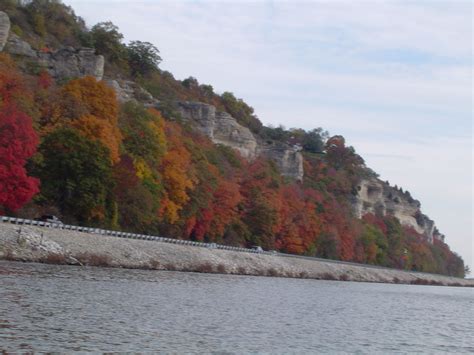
(395, 78)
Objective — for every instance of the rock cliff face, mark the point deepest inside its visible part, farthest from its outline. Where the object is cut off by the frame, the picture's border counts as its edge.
(17, 46)
(222, 128)
(288, 159)
(4, 29)
(127, 90)
(66, 62)
(377, 197)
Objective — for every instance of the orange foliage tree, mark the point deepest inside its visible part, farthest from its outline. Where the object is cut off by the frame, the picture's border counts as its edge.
(220, 212)
(299, 225)
(177, 175)
(98, 112)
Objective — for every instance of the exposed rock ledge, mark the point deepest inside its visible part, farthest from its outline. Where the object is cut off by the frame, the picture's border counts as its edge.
(224, 129)
(4, 29)
(220, 127)
(378, 197)
(37, 244)
(66, 62)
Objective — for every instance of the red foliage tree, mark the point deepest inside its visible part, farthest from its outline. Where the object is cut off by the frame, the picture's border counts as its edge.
(220, 212)
(18, 142)
(299, 225)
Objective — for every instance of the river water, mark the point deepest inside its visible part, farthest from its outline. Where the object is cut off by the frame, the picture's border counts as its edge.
(66, 308)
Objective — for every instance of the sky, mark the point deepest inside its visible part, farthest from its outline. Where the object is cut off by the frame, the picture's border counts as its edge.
(393, 77)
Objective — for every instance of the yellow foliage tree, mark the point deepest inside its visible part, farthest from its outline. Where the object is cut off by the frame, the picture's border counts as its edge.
(94, 128)
(98, 112)
(177, 175)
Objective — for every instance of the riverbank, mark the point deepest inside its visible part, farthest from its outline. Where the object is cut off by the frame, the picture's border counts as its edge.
(56, 246)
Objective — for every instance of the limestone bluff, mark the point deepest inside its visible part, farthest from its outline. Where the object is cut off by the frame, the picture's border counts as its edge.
(372, 195)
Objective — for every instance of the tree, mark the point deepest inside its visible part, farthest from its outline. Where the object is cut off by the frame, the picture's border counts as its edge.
(137, 206)
(261, 202)
(213, 220)
(18, 142)
(108, 41)
(298, 224)
(143, 133)
(243, 113)
(144, 57)
(177, 174)
(313, 141)
(76, 175)
(98, 112)
(11, 83)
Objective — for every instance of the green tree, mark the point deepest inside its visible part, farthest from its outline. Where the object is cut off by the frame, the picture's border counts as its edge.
(76, 175)
(144, 57)
(108, 41)
(143, 133)
(313, 140)
(242, 112)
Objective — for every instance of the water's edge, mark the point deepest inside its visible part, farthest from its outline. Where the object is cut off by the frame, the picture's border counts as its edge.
(36, 244)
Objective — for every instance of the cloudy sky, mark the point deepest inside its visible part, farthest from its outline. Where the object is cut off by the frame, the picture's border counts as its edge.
(395, 78)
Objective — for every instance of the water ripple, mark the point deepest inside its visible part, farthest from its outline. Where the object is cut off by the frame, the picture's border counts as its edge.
(47, 308)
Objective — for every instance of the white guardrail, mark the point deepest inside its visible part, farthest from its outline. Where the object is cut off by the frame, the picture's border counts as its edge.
(31, 222)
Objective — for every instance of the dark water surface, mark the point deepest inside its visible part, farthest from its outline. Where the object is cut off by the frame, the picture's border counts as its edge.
(50, 308)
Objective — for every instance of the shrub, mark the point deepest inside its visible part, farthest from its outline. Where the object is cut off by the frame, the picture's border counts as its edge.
(344, 277)
(303, 275)
(171, 267)
(327, 276)
(273, 272)
(221, 269)
(154, 264)
(205, 267)
(91, 259)
(419, 282)
(53, 258)
(456, 284)
(8, 255)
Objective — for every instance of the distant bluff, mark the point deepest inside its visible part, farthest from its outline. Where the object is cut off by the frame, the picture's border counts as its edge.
(379, 198)
(372, 195)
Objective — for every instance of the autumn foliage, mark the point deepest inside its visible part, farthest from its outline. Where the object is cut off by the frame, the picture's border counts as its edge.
(70, 147)
(97, 112)
(18, 143)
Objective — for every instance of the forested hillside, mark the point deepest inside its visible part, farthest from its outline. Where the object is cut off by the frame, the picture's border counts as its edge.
(69, 148)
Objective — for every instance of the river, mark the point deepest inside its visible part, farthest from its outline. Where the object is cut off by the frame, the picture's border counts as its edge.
(66, 308)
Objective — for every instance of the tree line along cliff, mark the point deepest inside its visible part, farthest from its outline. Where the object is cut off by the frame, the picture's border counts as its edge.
(93, 131)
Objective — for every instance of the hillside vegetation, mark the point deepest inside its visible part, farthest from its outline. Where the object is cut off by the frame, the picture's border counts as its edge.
(68, 148)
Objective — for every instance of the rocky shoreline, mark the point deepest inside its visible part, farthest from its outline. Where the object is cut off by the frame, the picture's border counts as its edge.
(56, 246)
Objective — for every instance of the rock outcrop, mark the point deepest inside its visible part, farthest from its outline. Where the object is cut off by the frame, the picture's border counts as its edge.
(127, 90)
(220, 127)
(4, 29)
(69, 62)
(16, 46)
(378, 197)
(64, 63)
(288, 159)
(224, 129)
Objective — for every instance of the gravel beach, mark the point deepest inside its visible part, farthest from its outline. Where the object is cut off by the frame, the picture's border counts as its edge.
(39, 244)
